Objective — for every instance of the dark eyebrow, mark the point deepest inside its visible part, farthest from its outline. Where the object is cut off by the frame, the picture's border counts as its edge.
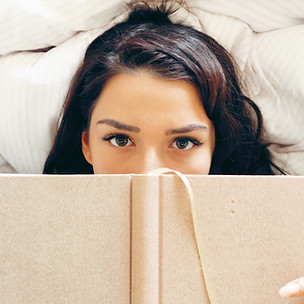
(118, 125)
(186, 129)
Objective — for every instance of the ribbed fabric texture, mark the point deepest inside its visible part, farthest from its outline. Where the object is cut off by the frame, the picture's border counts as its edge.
(33, 88)
(35, 24)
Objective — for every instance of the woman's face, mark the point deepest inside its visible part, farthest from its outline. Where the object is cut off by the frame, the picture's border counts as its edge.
(142, 122)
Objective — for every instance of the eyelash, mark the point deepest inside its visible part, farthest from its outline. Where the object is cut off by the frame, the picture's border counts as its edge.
(194, 141)
(113, 135)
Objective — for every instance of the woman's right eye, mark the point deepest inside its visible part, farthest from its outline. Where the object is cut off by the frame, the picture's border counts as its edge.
(119, 140)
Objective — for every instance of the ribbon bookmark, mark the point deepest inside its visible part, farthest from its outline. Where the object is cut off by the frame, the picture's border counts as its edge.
(195, 221)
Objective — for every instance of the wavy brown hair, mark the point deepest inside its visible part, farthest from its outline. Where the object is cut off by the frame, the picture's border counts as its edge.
(149, 40)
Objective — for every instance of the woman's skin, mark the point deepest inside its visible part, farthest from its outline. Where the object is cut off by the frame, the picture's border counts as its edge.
(142, 122)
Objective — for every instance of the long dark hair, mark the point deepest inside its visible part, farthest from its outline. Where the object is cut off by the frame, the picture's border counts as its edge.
(149, 40)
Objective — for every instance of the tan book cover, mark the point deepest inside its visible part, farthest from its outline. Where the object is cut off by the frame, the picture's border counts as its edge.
(130, 239)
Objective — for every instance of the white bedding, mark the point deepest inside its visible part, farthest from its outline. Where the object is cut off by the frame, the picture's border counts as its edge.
(265, 37)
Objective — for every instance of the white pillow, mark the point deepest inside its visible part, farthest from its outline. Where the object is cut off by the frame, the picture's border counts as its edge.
(259, 15)
(36, 24)
(33, 88)
(280, 96)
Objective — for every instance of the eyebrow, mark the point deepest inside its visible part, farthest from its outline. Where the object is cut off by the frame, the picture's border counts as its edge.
(188, 128)
(119, 125)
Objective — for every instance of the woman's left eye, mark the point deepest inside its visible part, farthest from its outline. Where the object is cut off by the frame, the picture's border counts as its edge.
(185, 143)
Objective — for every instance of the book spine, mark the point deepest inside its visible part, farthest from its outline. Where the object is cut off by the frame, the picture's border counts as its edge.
(145, 240)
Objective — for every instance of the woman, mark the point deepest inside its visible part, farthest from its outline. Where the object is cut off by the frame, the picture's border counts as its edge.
(145, 72)
(151, 93)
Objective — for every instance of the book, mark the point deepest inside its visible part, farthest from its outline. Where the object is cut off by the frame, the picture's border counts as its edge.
(131, 239)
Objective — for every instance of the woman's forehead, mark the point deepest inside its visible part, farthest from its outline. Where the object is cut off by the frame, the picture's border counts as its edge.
(143, 91)
(144, 101)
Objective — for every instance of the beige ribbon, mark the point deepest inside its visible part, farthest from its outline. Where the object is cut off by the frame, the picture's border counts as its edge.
(195, 221)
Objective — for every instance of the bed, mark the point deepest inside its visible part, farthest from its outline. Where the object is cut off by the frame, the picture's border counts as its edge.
(43, 43)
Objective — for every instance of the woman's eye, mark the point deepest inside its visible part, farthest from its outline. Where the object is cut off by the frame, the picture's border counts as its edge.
(120, 140)
(185, 143)
(182, 143)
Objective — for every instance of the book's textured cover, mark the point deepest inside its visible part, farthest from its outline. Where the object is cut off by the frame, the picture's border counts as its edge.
(130, 239)
(65, 239)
